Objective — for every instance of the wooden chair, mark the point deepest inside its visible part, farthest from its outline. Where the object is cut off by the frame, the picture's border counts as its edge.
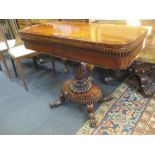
(19, 53)
(5, 65)
(3, 48)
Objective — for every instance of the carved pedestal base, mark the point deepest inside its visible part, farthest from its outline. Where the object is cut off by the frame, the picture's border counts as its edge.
(143, 73)
(88, 98)
(80, 91)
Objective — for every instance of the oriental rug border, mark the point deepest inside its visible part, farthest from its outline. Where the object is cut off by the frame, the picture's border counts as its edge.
(128, 113)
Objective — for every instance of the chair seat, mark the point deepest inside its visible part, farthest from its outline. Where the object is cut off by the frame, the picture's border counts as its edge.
(20, 51)
(11, 44)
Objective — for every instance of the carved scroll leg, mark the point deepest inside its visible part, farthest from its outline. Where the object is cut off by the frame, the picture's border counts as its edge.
(146, 85)
(91, 116)
(58, 101)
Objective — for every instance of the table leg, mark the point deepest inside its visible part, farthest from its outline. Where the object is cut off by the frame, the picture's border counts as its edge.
(65, 66)
(80, 91)
(91, 117)
(53, 64)
(0, 68)
(81, 84)
(34, 58)
(58, 102)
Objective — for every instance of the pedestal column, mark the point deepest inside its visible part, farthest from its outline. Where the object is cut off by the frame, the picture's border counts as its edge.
(80, 91)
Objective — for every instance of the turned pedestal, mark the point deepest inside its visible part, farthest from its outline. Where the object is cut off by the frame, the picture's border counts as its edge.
(80, 91)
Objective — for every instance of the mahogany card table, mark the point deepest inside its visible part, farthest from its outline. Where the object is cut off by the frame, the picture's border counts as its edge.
(105, 45)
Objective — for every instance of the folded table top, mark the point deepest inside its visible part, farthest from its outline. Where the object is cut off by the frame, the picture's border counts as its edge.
(101, 35)
(105, 45)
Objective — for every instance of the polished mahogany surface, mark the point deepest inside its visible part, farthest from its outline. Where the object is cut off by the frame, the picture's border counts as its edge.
(106, 45)
(98, 33)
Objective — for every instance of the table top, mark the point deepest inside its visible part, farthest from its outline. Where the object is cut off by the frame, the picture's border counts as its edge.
(105, 45)
(90, 32)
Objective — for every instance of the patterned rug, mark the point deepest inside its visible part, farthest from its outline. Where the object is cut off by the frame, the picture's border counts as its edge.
(128, 113)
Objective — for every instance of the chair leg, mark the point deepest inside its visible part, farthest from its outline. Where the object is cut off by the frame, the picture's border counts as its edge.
(0, 68)
(35, 62)
(5, 65)
(53, 64)
(19, 67)
(14, 67)
(65, 66)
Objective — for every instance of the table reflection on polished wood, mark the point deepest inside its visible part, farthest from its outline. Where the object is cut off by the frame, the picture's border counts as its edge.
(105, 45)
